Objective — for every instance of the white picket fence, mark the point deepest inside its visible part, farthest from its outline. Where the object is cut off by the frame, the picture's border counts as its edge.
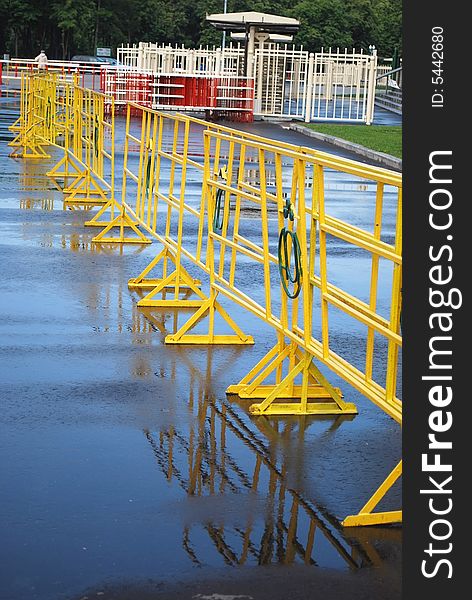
(178, 59)
(289, 82)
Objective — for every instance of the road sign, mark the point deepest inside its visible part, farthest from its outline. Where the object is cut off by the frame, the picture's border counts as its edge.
(103, 52)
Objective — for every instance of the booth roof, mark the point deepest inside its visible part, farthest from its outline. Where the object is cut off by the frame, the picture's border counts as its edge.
(241, 21)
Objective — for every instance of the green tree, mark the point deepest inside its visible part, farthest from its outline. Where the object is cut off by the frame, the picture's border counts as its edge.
(387, 32)
(22, 17)
(67, 27)
(323, 23)
(67, 16)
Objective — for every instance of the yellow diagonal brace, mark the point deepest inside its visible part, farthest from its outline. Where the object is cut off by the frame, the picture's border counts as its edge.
(314, 386)
(65, 161)
(179, 279)
(85, 190)
(246, 390)
(209, 306)
(111, 205)
(273, 352)
(277, 390)
(170, 282)
(366, 516)
(121, 221)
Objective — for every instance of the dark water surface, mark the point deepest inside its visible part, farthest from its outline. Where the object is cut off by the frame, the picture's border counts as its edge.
(122, 459)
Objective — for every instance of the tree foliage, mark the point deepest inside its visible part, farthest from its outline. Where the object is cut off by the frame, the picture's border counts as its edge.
(67, 27)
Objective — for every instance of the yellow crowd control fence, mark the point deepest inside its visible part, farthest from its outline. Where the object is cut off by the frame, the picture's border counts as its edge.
(58, 112)
(250, 220)
(34, 128)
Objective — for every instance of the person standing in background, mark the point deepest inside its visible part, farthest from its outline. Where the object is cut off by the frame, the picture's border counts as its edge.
(42, 60)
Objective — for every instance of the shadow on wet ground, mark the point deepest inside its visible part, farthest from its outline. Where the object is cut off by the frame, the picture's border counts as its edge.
(126, 472)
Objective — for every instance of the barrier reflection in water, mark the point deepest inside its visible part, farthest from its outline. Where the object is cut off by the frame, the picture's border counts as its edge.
(234, 475)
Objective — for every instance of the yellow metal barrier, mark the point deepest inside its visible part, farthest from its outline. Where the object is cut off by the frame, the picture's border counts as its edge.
(310, 225)
(57, 112)
(34, 127)
(87, 132)
(196, 202)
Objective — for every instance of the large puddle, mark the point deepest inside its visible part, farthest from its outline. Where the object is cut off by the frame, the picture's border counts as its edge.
(123, 457)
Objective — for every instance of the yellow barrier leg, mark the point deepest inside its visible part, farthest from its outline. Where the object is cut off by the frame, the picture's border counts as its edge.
(366, 516)
(85, 190)
(210, 308)
(315, 395)
(18, 125)
(67, 163)
(96, 220)
(121, 221)
(178, 280)
(27, 146)
(110, 208)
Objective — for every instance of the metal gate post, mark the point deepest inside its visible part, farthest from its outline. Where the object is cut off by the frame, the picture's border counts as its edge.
(371, 88)
(309, 87)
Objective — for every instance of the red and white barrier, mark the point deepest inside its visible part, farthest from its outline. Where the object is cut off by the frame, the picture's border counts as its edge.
(231, 97)
(127, 86)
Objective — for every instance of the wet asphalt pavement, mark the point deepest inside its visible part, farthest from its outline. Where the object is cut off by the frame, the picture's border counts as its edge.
(125, 470)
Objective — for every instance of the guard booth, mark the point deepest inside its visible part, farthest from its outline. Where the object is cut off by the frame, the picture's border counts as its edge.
(289, 82)
(262, 33)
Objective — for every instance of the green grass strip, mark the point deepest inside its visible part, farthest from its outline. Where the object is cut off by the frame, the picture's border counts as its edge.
(382, 138)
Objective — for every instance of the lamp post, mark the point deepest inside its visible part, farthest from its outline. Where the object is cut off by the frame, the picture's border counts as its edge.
(225, 7)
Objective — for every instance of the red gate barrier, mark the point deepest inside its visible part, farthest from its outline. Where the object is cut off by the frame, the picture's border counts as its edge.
(228, 97)
(127, 86)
